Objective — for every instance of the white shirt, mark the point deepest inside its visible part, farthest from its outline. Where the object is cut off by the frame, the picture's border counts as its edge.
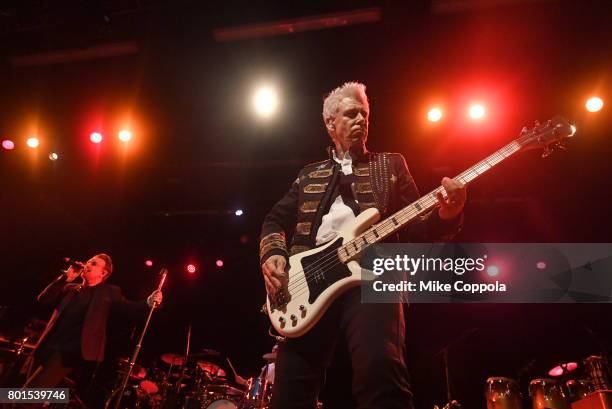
(339, 213)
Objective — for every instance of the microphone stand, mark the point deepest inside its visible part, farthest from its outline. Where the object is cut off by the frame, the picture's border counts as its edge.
(163, 273)
(180, 379)
(451, 403)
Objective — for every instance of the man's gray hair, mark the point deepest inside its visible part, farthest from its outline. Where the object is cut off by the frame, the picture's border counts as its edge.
(349, 89)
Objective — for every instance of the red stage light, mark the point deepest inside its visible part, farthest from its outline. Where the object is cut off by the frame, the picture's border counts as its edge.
(95, 137)
(8, 145)
(149, 263)
(477, 111)
(434, 115)
(191, 268)
(492, 271)
(219, 263)
(541, 265)
(594, 104)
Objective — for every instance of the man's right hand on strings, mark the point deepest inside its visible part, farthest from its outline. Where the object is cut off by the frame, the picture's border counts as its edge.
(274, 274)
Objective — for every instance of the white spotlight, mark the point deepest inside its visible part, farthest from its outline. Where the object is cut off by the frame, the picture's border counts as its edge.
(477, 111)
(594, 104)
(53, 156)
(125, 135)
(33, 142)
(265, 101)
(434, 115)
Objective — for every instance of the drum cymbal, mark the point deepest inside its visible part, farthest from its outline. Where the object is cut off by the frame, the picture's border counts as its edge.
(223, 389)
(179, 359)
(209, 367)
(270, 356)
(563, 369)
(138, 372)
(234, 391)
(173, 359)
(149, 387)
(204, 353)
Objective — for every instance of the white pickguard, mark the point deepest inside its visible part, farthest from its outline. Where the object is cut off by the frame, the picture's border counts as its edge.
(292, 321)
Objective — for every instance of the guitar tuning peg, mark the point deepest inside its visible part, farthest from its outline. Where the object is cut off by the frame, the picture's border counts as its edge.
(549, 123)
(524, 130)
(547, 151)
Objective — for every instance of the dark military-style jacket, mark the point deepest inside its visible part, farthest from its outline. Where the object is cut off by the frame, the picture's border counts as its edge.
(381, 180)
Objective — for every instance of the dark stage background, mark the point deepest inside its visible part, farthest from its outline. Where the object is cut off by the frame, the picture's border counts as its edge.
(199, 154)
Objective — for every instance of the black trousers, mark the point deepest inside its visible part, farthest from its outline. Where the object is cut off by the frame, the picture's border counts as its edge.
(375, 336)
(55, 366)
(50, 373)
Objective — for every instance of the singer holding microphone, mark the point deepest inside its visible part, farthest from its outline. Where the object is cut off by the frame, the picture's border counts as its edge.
(76, 331)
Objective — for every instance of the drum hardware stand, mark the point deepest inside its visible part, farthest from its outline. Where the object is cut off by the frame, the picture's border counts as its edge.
(604, 375)
(451, 403)
(179, 381)
(121, 390)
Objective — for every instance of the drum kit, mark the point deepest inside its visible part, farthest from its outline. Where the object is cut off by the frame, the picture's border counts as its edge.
(564, 390)
(203, 380)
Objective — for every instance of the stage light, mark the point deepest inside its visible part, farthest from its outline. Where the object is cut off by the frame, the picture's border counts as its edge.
(239, 212)
(477, 111)
(149, 263)
(594, 104)
(53, 156)
(8, 145)
(434, 115)
(541, 265)
(33, 142)
(563, 369)
(125, 135)
(191, 268)
(219, 263)
(492, 271)
(95, 137)
(265, 102)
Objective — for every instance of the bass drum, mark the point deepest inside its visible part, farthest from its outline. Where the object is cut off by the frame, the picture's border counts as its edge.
(221, 404)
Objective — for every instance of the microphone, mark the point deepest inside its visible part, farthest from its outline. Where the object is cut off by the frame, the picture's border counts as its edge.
(163, 274)
(74, 263)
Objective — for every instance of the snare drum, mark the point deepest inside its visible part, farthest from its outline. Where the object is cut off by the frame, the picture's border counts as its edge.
(220, 404)
(502, 393)
(547, 393)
